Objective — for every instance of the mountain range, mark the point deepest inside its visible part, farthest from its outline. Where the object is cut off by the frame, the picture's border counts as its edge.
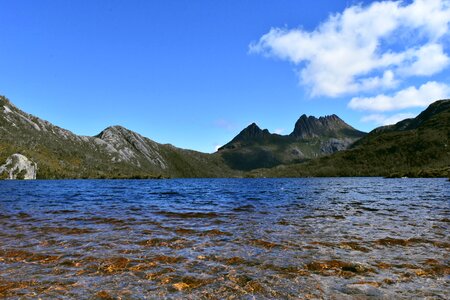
(312, 137)
(417, 147)
(116, 152)
(326, 146)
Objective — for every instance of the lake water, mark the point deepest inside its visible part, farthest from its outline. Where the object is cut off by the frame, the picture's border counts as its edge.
(327, 238)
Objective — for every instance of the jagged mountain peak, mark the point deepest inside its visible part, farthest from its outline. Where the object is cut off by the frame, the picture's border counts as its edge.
(253, 125)
(326, 117)
(308, 127)
(312, 137)
(253, 130)
(250, 133)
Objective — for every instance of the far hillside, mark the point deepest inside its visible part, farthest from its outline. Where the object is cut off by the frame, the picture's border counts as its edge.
(417, 147)
(311, 138)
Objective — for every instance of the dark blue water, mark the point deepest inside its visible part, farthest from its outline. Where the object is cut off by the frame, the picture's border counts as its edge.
(225, 238)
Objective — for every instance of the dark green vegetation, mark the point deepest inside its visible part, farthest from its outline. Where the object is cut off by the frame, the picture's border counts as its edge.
(413, 147)
(254, 148)
(416, 147)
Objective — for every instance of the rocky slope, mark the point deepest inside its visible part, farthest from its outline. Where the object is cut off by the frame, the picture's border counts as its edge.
(328, 126)
(312, 137)
(114, 153)
(417, 147)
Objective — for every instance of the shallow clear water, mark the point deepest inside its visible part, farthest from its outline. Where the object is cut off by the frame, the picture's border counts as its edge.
(332, 238)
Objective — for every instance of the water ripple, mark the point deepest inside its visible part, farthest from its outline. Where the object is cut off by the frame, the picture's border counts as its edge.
(225, 238)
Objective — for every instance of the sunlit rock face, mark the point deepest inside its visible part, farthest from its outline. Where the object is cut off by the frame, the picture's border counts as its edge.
(129, 146)
(18, 166)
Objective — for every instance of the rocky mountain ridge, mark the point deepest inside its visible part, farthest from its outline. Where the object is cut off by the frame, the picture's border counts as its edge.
(116, 152)
(312, 137)
(328, 126)
(34, 148)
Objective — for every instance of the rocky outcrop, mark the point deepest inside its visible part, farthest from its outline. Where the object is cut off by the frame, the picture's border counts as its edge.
(334, 145)
(18, 166)
(328, 126)
(130, 146)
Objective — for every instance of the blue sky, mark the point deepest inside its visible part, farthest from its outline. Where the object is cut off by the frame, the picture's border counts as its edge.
(194, 73)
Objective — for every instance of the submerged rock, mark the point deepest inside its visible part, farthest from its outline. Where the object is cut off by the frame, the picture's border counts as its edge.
(18, 166)
(363, 290)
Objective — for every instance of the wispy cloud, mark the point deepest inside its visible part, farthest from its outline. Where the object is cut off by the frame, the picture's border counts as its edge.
(365, 49)
(381, 119)
(279, 131)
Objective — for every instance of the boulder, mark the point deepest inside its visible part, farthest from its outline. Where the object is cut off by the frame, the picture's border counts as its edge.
(18, 166)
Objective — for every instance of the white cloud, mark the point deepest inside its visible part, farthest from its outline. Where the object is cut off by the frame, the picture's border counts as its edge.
(279, 131)
(216, 147)
(381, 119)
(365, 48)
(406, 98)
(427, 60)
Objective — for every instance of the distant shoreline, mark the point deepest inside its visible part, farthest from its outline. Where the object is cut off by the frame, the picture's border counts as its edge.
(206, 178)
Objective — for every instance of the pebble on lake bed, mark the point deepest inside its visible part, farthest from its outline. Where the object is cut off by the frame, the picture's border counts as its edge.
(179, 286)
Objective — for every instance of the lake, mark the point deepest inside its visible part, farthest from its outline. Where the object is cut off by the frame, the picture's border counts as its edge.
(332, 238)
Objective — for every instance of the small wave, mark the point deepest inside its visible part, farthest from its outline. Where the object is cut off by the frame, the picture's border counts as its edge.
(187, 215)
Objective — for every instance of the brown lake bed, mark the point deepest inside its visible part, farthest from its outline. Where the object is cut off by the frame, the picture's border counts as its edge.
(325, 238)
